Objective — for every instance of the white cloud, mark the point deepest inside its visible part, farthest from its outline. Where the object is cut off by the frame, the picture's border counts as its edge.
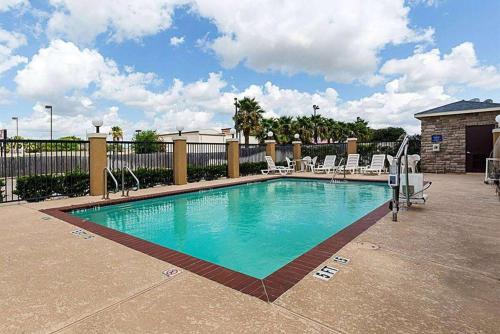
(427, 69)
(6, 5)
(60, 69)
(83, 21)
(339, 40)
(175, 41)
(10, 41)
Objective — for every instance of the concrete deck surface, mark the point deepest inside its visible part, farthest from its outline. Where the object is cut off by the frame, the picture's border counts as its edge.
(437, 270)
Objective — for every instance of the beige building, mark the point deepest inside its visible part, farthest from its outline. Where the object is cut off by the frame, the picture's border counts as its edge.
(209, 136)
(458, 137)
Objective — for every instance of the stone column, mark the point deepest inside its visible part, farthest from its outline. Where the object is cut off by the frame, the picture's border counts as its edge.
(98, 161)
(297, 153)
(180, 161)
(352, 145)
(271, 149)
(233, 158)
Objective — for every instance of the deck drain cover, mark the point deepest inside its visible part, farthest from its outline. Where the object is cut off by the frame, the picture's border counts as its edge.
(340, 259)
(326, 273)
(171, 272)
(82, 234)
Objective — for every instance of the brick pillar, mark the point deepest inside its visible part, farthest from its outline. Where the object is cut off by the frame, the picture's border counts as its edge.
(297, 153)
(98, 161)
(352, 145)
(180, 161)
(496, 135)
(271, 149)
(233, 158)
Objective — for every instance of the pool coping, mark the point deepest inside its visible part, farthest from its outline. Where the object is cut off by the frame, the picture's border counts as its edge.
(267, 289)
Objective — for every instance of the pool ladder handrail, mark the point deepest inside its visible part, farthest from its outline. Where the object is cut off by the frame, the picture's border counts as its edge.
(333, 180)
(138, 184)
(106, 192)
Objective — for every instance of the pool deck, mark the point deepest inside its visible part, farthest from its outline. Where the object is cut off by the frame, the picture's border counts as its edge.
(435, 270)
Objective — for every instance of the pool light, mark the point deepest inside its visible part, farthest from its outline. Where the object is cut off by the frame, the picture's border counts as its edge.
(97, 123)
(179, 129)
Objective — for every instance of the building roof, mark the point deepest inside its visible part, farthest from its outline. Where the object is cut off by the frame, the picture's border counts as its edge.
(460, 107)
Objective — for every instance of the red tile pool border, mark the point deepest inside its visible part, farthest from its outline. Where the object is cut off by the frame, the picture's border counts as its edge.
(267, 289)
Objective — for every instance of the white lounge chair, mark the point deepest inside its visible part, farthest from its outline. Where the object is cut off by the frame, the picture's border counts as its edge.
(413, 160)
(328, 164)
(352, 164)
(377, 164)
(272, 168)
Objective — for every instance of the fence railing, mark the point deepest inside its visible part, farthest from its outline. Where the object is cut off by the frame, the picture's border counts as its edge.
(367, 150)
(57, 168)
(139, 155)
(206, 154)
(252, 153)
(283, 151)
(322, 150)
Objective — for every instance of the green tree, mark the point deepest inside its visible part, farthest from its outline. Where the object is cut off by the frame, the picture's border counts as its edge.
(285, 129)
(387, 134)
(116, 133)
(304, 128)
(249, 117)
(266, 125)
(147, 141)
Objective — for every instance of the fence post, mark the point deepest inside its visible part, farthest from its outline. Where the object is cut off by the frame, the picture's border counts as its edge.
(352, 145)
(297, 153)
(180, 161)
(233, 158)
(98, 161)
(271, 149)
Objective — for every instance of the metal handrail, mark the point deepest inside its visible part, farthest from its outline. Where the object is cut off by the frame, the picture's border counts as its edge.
(123, 181)
(336, 171)
(403, 150)
(107, 171)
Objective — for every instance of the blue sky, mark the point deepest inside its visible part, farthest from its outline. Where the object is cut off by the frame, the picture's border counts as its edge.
(161, 63)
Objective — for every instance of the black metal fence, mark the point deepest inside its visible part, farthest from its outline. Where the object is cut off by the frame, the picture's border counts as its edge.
(140, 155)
(322, 150)
(37, 169)
(206, 154)
(252, 153)
(367, 150)
(283, 151)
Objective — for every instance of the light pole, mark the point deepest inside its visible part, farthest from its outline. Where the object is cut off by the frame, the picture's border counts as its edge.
(17, 125)
(50, 107)
(315, 107)
(236, 116)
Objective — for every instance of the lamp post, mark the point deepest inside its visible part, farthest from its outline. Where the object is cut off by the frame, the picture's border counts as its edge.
(232, 132)
(97, 123)
(236, 115)
(17, 125)
(297, 137)
(270, 135)
(179, 129)
(315, 107)
(50, 107)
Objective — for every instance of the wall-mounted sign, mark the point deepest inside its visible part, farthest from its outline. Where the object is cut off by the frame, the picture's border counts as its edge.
(437, 138)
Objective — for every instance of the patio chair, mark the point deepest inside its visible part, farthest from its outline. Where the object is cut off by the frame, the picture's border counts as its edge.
(377, 164)
(352, 164)
(272, 168)
(328, 164)
(413, 160)
(311, 164)
(291, 164)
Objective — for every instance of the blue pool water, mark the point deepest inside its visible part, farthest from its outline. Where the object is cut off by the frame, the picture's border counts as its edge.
(254, 228)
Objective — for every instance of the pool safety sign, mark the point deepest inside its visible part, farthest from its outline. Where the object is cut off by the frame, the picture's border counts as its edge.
(340, 259)
(437, 138)
(82, 234)
(171, 272)
(326, 273)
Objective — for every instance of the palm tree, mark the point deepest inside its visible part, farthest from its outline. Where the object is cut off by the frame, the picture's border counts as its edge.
(285, 129)
(266, 125)
(316, 121)
(304, 128)
(249, 117)
(116, 133)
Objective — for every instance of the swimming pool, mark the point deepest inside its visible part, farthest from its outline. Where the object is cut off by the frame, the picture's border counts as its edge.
(254, 228)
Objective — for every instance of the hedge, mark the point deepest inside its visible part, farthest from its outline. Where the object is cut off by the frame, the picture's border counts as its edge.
(250, 168)
(2, 184)
(38, 187)
(147, 178)
(207, 173)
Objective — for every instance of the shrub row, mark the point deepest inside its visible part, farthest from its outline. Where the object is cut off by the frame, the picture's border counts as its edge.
(147, 177)
(38, 187)
(2, 184)
(207, 173)
(250, 168)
